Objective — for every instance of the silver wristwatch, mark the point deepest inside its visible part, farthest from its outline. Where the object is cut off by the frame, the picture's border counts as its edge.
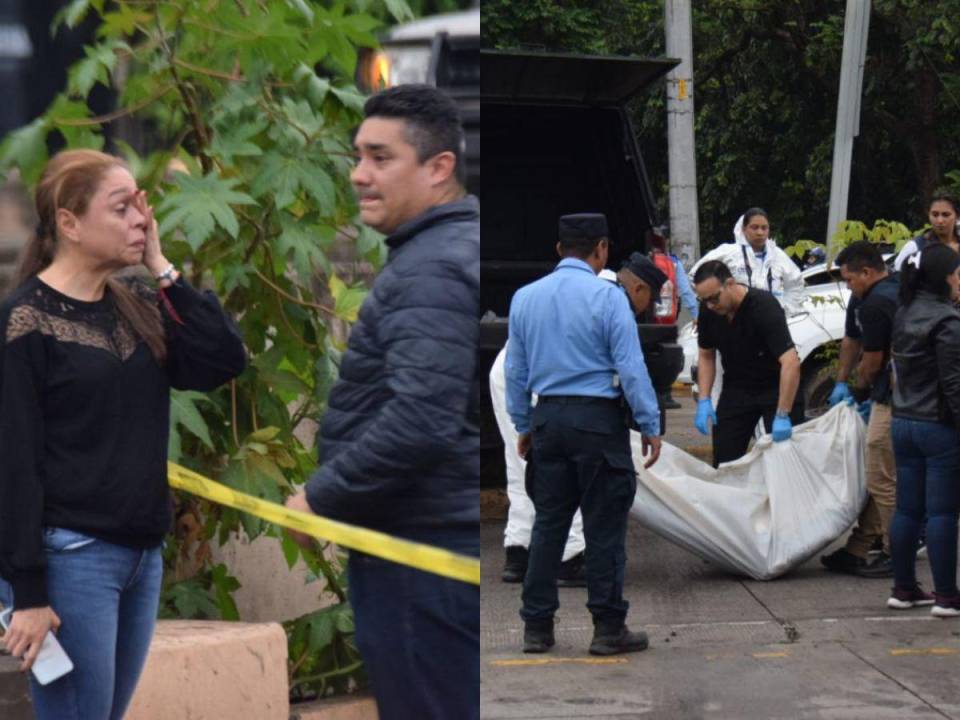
(167, 274)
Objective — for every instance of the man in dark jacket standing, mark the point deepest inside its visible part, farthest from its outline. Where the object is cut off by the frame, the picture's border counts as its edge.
(399, 444)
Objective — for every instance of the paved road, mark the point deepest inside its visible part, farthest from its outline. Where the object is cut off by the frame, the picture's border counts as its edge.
(809, 645)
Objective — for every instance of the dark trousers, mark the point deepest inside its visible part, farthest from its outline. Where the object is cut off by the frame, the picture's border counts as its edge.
(580, 458)
(419, 635)
(738, 413)
(928, 466)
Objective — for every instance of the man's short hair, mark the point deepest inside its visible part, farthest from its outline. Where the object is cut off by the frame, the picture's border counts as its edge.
(712, 269)
(860, 255)
(432, 121)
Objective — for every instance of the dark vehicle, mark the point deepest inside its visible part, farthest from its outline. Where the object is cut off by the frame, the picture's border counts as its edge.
(559, 141)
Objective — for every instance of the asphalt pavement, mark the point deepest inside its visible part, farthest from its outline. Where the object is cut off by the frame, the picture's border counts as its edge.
(811, 644)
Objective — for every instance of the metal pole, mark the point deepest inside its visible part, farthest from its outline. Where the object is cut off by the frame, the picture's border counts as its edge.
(684, 226)
(856, 25)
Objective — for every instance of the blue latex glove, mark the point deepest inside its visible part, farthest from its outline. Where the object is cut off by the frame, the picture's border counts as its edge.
(840, 393)
(782, 428)
(704, 412)
(864, 409)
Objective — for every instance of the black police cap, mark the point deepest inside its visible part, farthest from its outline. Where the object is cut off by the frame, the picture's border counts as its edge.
(645, 269)
(583, 226)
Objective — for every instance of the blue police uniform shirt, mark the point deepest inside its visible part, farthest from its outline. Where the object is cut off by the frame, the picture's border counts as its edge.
(569, 333)
(687, 295)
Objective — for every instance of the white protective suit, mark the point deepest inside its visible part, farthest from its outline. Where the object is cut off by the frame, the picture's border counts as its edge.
(521, 513)
(776, 272)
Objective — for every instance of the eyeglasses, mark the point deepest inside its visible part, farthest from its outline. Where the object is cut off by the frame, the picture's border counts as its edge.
(712, 299)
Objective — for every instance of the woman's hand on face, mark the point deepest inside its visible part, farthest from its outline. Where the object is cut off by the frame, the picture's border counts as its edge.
(153, 257)
(28, 628)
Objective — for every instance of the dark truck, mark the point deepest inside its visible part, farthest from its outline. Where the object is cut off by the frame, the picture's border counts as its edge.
(559, 141)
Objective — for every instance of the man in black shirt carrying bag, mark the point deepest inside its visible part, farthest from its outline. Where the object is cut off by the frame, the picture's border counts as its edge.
(868, 335)
(760, 364)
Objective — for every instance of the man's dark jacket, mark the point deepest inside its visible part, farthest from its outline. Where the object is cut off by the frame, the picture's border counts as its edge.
(399, 444)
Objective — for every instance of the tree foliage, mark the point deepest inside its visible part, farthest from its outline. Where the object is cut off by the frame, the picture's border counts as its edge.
(766, 79)
(256, 104)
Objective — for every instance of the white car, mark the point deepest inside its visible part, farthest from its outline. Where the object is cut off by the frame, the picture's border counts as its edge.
(816, 332)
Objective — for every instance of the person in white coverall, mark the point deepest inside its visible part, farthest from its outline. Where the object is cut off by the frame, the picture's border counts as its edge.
(516, 536)
(756, 261)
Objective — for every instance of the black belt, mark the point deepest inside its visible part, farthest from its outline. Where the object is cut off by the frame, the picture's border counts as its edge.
(577, 400)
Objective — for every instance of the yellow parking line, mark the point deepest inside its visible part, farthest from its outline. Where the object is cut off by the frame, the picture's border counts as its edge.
(925, 651)
(771, 654)
(559, 661)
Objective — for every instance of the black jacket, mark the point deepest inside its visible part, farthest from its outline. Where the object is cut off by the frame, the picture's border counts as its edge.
(399, 445)
(926, 361)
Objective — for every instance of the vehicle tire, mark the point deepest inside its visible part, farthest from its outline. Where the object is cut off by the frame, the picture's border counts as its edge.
(816, 385)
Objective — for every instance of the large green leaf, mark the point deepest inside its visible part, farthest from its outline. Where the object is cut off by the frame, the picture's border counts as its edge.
(98, 62)
(201, 204)
(400, 10)
(235, 140)
(183, 411)
(62, 111)
(26, 149)
(348, 299)
(283, 177)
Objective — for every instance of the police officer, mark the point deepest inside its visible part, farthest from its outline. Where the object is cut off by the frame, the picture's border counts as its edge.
(760, 364)
(570, 333)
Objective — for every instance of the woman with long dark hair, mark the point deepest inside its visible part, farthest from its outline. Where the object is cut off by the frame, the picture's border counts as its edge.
(86, 366)
(943, 212)
(926, 428)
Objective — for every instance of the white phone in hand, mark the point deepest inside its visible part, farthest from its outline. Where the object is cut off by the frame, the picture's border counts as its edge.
(52, 662)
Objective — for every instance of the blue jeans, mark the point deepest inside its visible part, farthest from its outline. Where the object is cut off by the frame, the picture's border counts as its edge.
(928, 483)
(106, 597)
(419, 635)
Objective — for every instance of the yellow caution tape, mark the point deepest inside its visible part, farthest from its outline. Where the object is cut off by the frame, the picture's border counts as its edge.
(406, 552)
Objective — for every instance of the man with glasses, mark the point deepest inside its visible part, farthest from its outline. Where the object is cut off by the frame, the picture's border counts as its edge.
(760, 364)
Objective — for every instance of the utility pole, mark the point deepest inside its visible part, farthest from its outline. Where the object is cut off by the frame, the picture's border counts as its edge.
(856, 25)
(684, 225)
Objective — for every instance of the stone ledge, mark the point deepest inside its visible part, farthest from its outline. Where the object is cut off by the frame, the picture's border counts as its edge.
(214, 671)
(14, 691)
(362, 707)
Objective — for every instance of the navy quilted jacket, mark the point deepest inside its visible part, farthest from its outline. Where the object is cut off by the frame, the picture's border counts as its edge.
(399, 444)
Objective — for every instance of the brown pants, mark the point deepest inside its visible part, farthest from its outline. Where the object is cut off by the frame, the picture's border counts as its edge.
(874, 520)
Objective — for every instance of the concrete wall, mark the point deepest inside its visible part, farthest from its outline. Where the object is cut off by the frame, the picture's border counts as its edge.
(214, 671)
(269, 592)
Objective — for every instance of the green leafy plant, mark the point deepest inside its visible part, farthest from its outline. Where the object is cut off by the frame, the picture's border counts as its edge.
(247, 107)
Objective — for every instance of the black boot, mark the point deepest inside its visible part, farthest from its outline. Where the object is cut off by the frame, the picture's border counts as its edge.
(572, 572)
(515, 566)
(615, 639)
(669, 403)
(538, 637)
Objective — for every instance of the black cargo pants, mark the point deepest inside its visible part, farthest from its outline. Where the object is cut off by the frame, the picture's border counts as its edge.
(580, 458)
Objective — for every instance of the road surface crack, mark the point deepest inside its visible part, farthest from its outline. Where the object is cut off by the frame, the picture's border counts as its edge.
(790, 632)
(896, 682)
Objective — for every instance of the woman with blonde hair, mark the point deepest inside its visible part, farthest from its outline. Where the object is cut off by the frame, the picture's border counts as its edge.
(87, 361)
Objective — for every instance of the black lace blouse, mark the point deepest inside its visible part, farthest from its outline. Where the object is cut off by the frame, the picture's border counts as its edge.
(84, 417)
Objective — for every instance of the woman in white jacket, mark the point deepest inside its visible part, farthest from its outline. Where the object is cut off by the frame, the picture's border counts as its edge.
(756, 261)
